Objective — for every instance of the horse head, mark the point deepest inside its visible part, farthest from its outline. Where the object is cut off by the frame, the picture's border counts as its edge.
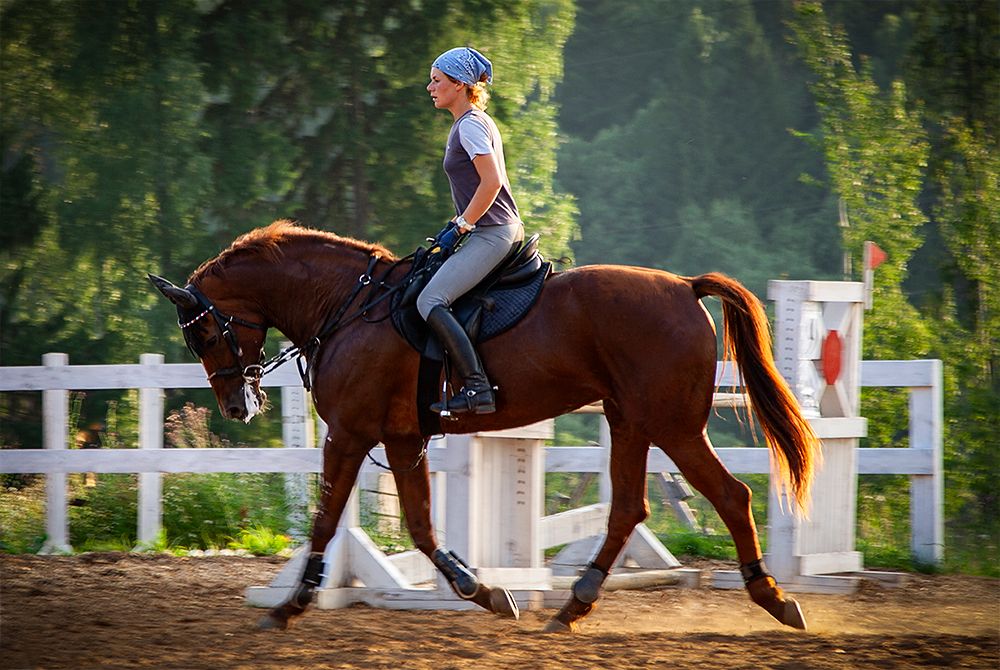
(223, 342)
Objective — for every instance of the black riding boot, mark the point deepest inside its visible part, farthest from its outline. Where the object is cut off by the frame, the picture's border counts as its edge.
(477, 393)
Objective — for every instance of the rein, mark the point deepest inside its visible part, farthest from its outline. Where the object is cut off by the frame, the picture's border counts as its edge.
(306, 353)
(250, 373)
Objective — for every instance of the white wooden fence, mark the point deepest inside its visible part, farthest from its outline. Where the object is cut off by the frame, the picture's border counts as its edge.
(922, 461)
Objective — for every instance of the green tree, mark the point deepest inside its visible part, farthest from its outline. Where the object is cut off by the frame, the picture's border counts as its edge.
(336, 128)
(145, 136)
(102, 102)
(878, 147)
(679, 114)
(954, 68)
(876, 154)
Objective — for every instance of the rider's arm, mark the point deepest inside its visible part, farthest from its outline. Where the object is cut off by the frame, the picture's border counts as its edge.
(489, 187)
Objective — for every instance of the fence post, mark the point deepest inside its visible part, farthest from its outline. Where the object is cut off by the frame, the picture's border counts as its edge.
(604, 481)
(462, 484)
(297, 433)
(927, 491)
(151, 423)
(55, 428)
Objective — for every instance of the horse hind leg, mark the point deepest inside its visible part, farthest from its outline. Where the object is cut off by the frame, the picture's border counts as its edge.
(629, 508)
(411, 472)
(730, 497)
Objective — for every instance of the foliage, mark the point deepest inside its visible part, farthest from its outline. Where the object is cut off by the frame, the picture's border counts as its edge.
(577, 429)
(22, 518)
(684, 544)
(389, 543)
(876, 153)
(698, 170)
(878, 147)
(160, 545)
(146, 136)
(261, 540)
(205, 510)
(952, 63)
(188, 428)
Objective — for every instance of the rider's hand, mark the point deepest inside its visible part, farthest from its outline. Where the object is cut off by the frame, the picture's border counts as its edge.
(448, 237)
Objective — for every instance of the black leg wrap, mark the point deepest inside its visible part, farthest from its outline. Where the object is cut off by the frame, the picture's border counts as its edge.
(311, 578)
(314, 570)
(462, 581)
(753, 571)
(588, 588)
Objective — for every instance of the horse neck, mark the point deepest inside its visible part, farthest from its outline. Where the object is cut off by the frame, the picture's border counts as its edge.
(309, 283)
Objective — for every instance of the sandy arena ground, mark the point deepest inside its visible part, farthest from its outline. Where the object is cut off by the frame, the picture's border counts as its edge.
(128, 611)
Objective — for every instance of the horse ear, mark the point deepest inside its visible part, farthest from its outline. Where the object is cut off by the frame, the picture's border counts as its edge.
(179, 296)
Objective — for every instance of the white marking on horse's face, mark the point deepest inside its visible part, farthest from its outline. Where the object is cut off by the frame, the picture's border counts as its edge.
(252, 401)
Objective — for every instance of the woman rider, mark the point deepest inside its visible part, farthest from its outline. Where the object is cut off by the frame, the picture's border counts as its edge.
(486, 215)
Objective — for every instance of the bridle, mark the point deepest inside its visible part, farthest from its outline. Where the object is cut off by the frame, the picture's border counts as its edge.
(250, 373)
(305, 354)
(254, 372)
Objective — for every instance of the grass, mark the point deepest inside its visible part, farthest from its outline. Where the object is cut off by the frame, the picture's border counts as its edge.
(694, 544)
(248, 512)
(261, 541)
(22, 518)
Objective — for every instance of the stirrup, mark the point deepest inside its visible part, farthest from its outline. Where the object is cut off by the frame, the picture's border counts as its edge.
(467, 400)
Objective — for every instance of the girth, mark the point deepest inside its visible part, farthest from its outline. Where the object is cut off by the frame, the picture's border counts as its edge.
(494, 306)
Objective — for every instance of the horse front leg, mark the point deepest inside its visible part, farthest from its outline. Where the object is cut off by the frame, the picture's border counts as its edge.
(628, 509)
(342, 459)
(411, 472)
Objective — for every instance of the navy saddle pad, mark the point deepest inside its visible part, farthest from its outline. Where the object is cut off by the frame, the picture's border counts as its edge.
(496, 305)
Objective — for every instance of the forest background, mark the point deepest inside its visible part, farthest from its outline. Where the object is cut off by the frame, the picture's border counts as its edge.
(762, 138)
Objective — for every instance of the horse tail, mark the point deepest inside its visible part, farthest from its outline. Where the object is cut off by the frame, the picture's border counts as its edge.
(747, 340)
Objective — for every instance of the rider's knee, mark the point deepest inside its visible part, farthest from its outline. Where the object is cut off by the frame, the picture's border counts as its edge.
(427, 301)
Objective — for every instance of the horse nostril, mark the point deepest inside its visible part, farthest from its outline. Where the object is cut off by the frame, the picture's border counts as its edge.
(236, 412)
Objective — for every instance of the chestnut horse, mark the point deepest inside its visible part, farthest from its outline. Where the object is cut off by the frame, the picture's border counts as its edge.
(638, 340)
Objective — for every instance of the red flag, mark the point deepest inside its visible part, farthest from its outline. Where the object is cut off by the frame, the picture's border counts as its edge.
(874, 255)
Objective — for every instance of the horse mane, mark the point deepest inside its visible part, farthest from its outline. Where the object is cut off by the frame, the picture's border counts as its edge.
(267, 243)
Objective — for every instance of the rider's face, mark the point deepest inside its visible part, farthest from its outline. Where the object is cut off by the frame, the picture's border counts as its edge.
(444, 92)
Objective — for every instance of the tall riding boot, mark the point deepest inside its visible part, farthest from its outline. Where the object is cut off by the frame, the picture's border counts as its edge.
(477, 393)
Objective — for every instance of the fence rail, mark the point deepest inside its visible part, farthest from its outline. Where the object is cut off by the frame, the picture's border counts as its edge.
(922, 461)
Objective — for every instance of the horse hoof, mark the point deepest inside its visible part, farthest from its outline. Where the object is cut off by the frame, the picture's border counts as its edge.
(792, 616)
(557, 626)
(271, 622)
(502, 603)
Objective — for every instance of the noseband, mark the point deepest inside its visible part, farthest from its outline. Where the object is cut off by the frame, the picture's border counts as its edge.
(250, 373)
(253, 373)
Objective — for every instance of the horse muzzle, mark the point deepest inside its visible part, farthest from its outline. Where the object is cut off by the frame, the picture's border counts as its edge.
(244, 403)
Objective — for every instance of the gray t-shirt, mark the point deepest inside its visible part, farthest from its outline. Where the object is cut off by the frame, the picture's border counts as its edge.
(475, 134)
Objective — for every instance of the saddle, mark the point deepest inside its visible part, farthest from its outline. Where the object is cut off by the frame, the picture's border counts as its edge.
(493, 307)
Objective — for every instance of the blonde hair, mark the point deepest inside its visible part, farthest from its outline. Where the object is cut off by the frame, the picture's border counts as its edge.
(477, 93)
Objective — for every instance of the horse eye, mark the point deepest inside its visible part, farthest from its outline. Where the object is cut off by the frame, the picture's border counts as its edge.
(212, 340)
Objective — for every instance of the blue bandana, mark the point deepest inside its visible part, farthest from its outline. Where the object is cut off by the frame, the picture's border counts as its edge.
(465, 64)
